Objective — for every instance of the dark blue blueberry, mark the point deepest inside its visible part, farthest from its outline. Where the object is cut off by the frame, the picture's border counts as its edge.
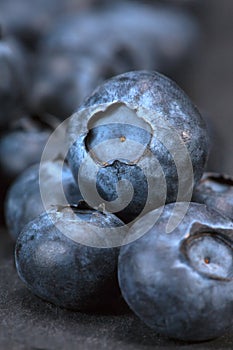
(24, 202)
(181, 283)
(30, 20)
(55, 266)
(13, 82)
(216, 191)
(72, 63)
(61, 81)
(21, 146)
(139, 127)
(138, 36)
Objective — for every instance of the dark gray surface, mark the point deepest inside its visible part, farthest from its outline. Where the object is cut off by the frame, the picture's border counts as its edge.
(27, 322)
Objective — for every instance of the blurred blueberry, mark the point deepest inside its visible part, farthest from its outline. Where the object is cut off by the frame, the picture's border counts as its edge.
(24, 202)
(216, 191)
(29, 20)
(132, 36)
(61, 81)
(13, 82)
(71, 62)
(22, 145)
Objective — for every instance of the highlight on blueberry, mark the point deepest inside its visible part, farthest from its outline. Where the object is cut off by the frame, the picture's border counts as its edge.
(181, 283)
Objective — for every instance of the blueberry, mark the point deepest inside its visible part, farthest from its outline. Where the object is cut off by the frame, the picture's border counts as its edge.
(138, 128)
(216, 190)
(139, 36)
(30, 20)
(13, 83)
(24, 202)
(181, 283)
(22, 145)
(55, 266)
(61, 81)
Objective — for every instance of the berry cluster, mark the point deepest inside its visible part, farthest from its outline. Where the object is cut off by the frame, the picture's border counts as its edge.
(52, 55)
(142, 128)
(113, 204)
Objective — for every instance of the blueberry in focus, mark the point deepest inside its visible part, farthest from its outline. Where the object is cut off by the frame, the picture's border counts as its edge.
(216, 191)
(54, 264)
(181, 283)
(136, 142)
(24, 200)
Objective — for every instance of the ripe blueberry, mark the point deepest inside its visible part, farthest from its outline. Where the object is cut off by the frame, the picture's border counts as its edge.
(55, 266)
(61, 81)
(22, 146)
(139, 36)
(216, 191)
(138, 128)
(13, 82)
(181, 283)
(24, 202)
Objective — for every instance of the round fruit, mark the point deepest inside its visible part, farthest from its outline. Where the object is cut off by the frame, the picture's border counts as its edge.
(216, 191)
(181, 283)
(13, 82)
(55, 266)
(24, 201)
(138, 128)
(22, 146)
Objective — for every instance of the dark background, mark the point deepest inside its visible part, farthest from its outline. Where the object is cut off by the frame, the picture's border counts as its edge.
(29, 323)
(211, 79)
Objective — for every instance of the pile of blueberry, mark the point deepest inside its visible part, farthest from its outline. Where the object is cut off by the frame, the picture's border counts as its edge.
(95, 243)
(116, 206)
(51, 59)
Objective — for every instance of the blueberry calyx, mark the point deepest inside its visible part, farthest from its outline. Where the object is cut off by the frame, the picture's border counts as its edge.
(200, 251)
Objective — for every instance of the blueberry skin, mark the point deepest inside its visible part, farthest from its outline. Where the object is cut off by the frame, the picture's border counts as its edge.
(20, 149)
(181, 283)
(14, 81)
(139, 36)
(61, 81)
(24, 203)
(169, 105)
(30, 20)
(23, 143)
(216, 191)
(61, 270)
